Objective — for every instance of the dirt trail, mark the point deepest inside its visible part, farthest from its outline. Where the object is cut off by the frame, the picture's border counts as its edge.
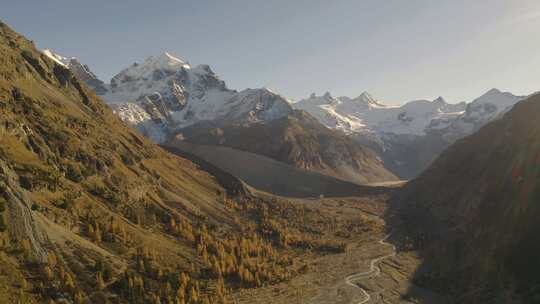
(374, 270)
(347, 291)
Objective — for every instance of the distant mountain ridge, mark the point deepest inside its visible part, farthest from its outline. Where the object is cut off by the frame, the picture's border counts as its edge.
(408, 137)
(366, 114)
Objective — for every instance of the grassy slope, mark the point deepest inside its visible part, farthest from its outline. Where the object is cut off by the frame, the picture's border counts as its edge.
(63, 144)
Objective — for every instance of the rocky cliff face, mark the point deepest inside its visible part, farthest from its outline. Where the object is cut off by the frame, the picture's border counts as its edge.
(23, 227)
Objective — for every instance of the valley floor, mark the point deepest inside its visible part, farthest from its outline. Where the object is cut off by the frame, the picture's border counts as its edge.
(325, 280)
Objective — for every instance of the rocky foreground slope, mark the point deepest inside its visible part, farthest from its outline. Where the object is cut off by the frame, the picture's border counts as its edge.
(474, 213)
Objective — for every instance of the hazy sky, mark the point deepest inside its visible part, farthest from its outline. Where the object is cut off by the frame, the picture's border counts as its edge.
(397, 50)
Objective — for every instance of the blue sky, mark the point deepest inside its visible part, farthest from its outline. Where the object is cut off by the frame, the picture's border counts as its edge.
(396, 50)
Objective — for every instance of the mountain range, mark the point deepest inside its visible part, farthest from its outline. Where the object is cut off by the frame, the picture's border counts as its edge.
(408, 137)
(232, 202)
(164, 97)
(168, 100)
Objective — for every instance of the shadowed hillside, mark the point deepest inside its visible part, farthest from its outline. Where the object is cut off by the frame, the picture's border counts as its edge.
(270, 175)
(474, 213)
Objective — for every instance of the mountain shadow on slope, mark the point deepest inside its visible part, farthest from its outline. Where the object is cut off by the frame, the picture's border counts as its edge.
(298, 140)
(474, 213)
(267, 174)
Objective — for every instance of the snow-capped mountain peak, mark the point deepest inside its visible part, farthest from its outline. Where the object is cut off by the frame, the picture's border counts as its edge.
(165, 93)
(408, 136)
(493, 91)
(366, 95)
(169, 59)
(164, 61)
(314, 99)
(498, 98)
(61, 60)
(364, 99)
(342, 113)
(482, 110)
(154, 68)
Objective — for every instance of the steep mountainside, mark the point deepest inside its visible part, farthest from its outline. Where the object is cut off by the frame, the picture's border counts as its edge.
(409, 137)
(81, 71)
(92, 212)
(299, 140)
(474, 212)
(269, 175)
(78, 188)
(164, 96)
